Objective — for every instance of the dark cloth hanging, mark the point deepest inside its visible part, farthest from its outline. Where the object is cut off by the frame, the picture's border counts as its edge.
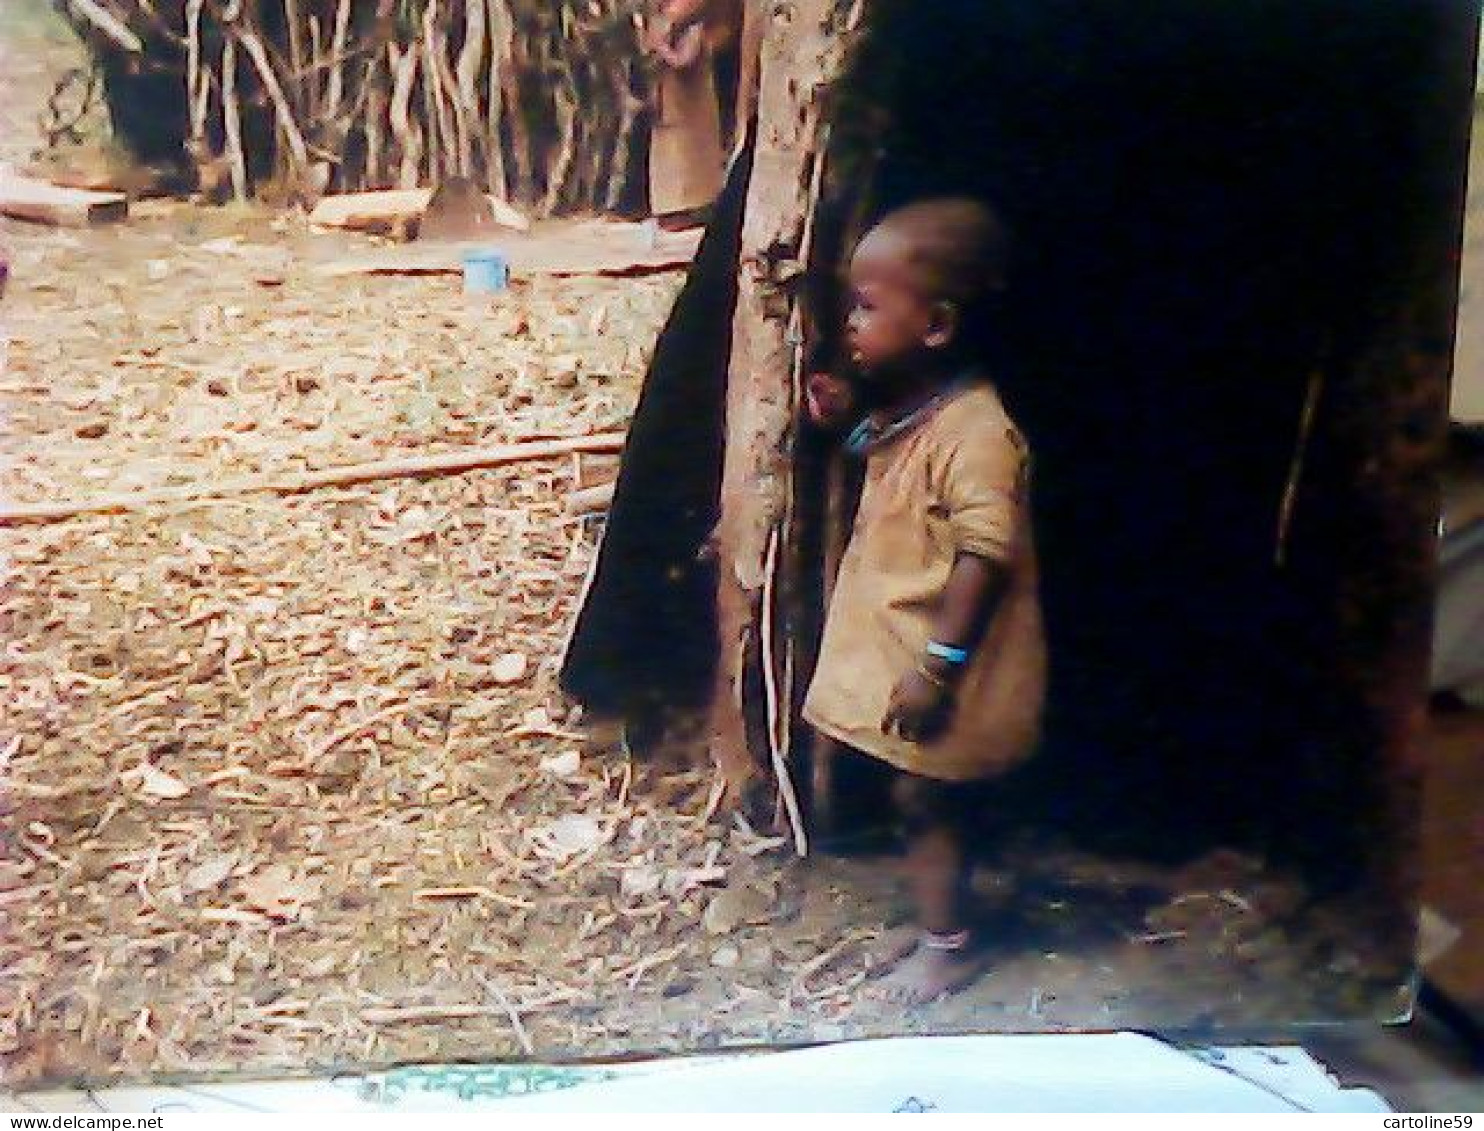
(645, 636)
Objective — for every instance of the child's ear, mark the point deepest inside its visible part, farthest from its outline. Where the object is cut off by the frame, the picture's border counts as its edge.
(942, 325)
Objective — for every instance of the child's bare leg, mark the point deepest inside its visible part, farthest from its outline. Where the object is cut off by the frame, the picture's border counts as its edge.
(940, 962)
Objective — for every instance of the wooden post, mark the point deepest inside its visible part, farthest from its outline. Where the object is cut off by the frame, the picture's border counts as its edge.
(797, 57)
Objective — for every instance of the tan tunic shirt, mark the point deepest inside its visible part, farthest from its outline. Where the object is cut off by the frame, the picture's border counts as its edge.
(957, 482)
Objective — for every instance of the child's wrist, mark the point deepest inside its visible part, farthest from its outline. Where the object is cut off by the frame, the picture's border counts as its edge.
(945, 662)
(942, 683)
(950, 655)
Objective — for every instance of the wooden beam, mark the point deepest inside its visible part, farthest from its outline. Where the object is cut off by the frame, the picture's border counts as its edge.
(361, 211)
(449, 463)
(24, 198)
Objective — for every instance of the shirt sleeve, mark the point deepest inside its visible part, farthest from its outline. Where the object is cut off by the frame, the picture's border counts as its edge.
(983, 491)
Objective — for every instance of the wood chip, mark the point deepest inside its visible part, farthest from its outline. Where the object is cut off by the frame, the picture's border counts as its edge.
(510, 668)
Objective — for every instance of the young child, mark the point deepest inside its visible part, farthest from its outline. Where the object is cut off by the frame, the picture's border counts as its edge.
(933, 658)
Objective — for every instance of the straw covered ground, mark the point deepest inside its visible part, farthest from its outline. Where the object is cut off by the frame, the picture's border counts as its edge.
(285, 780)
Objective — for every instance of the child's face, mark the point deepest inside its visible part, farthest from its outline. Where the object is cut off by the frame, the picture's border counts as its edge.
(892, 322)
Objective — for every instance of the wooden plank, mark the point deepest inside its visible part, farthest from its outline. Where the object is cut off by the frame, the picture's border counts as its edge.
(385, 208)
(448, 463)
(40, 202)
(362, 210)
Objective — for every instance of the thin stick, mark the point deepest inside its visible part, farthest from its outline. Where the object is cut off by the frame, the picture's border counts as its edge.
(521, 174)
(337, 54)
(439, 128)
(403, 65)
(635, 971)
(310, 79)
(359, 728)
(777, 712)
(475, 891)
(376, 102)
(799, 983)
(411, 1014)
(293, 16)
(510, 1011)
(285, 115)
(561, 168)
(195, 81)
(470, 58)
(397, 1014)
(460, 148)
(1296, 467)
(109, 24)
(232, 121)
(499, 37)
(618, 175)
(450, 463)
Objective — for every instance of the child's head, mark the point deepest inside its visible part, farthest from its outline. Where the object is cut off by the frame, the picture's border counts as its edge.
(920, 281)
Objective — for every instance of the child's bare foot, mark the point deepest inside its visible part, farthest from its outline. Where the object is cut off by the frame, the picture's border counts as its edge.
(926, 974)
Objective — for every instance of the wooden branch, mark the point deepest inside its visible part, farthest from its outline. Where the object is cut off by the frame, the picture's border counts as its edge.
(414, 1014)
(518, 164)
(499, 45)
(619, 168)
(232, 121)
(470, 59)
(434, 114)
(22, 198)
(109, 24)
(336, 92)
(403, 65)
(460, 149)
(590, 500)
(196, 88)
(308, 82)
(293, 18)
(376, 109)
(411, 467)
(561, 168)
(778, 700)
(285, 114)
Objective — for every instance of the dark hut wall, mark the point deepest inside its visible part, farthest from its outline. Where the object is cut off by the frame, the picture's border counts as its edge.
(1212, 203)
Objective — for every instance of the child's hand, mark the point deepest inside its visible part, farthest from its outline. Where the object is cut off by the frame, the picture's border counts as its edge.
(829, 399)
(919, 709)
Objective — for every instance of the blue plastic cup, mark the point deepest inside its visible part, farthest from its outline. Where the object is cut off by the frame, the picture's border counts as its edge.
(486, 271)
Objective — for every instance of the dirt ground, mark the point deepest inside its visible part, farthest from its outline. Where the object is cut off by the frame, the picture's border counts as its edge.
(287, 783)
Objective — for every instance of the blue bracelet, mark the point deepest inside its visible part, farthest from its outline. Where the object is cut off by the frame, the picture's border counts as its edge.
(947, 653)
